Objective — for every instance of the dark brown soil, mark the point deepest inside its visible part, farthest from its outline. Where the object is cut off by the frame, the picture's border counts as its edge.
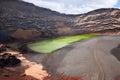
(13, 75)
(63, 77)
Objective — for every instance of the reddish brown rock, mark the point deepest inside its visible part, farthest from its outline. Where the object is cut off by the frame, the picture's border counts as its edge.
(29, 34)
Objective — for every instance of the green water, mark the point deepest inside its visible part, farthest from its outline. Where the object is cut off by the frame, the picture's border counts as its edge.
(49, 46)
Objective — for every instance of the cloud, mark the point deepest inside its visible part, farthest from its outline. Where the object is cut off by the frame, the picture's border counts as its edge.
(74, 6)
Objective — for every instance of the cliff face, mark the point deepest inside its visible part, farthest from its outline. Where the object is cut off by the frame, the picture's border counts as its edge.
(26, 21)
(99, 20)
(16, 16)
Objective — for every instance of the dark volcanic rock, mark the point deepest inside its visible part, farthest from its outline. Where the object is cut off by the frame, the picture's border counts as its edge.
(16, 15)
(8, 60)
(6, 38)
(2, 49)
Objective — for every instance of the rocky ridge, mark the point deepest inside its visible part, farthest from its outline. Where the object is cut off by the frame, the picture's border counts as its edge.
(25, 21)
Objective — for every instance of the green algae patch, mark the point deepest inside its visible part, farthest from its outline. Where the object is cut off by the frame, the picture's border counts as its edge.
(49, 46)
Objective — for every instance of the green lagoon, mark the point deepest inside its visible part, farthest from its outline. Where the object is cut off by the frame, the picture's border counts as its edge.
(49, 46)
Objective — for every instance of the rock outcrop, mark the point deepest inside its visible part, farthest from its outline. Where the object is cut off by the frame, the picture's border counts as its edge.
(100, 20)
(7, 59)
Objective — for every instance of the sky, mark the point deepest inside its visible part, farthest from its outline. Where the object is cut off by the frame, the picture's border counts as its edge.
(75, 6)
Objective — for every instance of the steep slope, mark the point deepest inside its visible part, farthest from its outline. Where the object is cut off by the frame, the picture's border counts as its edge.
(26, 21)
(17, 16)
(100, 20)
